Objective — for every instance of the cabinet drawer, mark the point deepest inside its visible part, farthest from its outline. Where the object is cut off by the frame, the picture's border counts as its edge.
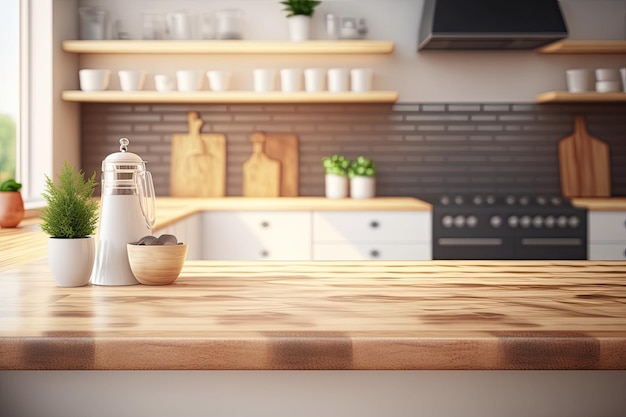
(374, 251)
(257, 235)
(390, 226)
(598, 252)
(607, 226)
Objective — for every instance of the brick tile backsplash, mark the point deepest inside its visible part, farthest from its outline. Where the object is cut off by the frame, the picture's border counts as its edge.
(420, 148)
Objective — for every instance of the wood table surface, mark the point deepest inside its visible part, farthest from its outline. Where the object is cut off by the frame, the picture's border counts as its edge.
(323, 315)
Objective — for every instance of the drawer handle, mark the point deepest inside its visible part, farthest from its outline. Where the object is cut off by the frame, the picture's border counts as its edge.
(374, 253)
(374, 224)
(264, 253)
(265, 224)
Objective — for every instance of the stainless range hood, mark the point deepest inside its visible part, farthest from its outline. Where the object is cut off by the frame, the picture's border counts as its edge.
(490, 24)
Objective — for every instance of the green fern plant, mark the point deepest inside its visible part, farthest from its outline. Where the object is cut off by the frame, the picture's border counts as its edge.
(71, 212)
(300, 7)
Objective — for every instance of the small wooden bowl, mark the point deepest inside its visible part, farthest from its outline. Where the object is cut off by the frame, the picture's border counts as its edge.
(156, 264)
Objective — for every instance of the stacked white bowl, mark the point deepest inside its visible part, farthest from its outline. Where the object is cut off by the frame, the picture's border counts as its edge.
(607, 80)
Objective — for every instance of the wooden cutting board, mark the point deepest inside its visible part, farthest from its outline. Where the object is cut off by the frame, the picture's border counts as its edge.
(198, 166)
(584, 164)
(283, 147)
(261, 174)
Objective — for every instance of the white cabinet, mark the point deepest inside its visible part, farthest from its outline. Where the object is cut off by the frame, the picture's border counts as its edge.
(389, 235)
(187, 230)
(256, 235)
(607, 235)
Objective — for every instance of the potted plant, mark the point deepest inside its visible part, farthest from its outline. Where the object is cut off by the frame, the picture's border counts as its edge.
(70, 218)
(362, 173)
(11, 203)
(336, 168)
(299, 15)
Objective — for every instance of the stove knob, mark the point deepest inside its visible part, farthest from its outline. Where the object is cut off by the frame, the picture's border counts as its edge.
(556, 201)
(444, 200)
(573, 222)
(525, 221)
(471, 221)
(447, 221)
(510, 200)
(561, 221)
(458, 200)
(478, 200)
(491, 200)
(542, 201)
(524, 200)
(495, 221)
(537, 221)
(549, 222)
(513, 221)
(459, 221)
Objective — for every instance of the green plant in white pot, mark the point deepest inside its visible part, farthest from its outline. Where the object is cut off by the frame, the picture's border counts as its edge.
(336, 179)
(362, 173)
(299, 16)
(70, 219)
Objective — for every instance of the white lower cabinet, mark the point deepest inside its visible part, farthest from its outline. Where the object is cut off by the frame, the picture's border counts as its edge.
(187, 230)
(257, 235)
(607, 235)
(389, 235)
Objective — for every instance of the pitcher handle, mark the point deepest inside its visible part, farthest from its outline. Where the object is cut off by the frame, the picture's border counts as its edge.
(145, 187)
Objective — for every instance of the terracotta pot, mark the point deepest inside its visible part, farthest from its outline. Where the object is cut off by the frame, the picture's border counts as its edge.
(11, 208)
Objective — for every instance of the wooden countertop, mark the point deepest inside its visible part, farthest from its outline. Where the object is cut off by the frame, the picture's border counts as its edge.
(323, 315)
(170, 210)
(601, 204)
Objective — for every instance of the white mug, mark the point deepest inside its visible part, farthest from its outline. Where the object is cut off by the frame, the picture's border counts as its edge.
(338, 80)
(188, 80)
(163, 83)
(218, 80)
(290, 80)
(178, 25)
(314, 80)
(578, 80)
(131, 80)
(264, 79)
(94, 79)
(361, 79)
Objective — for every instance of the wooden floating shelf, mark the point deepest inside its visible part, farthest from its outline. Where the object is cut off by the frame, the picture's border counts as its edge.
(585, 47)
(228, 47)
(586, 97)
(227, 97)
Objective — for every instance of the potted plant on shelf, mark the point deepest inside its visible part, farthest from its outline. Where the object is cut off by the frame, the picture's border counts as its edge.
(70, 218)
(11, 203)
(362, 173)
(299, 16)
(336, 179)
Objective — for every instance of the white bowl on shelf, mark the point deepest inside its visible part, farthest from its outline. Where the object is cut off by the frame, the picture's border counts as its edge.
(607, 86)
(94, 79)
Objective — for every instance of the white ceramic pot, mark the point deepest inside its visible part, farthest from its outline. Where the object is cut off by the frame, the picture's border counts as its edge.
(336, 186)
(218, 80)
(131, 80)
(362, 187)
(299, 28)
(94, 79)
(71, 260)
(264, 79)
(290, 80)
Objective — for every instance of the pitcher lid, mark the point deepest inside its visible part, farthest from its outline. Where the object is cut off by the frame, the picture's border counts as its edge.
(123, 156)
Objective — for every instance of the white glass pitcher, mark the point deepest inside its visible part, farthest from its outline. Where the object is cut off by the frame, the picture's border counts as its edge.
(127, 213)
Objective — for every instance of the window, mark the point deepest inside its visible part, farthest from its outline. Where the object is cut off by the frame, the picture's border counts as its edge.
(9, 88)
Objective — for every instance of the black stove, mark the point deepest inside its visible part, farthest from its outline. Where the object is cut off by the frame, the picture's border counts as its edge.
(507, 227)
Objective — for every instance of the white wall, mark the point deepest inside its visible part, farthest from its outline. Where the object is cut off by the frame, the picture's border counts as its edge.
(428, 76)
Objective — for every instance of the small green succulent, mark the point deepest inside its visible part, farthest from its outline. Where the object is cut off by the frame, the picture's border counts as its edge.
(10, 185)
(300, 7)
(336, 164)
(363, 167)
